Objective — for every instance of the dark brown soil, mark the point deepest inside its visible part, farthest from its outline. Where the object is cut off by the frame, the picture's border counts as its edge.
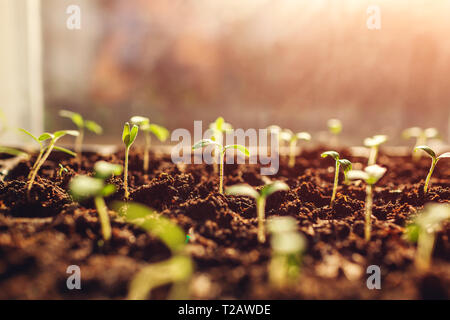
(41, 237)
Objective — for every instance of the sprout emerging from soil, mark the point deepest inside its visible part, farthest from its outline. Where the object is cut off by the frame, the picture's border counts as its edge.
(45, 151)
(335, 128)
(374, 144)
(81, 124)
(423, 231)
(222, 150)
(261, 197)
(292, 138)
(61, 170)
(177, 270)
(346, 166)
(421, 137)
(434, 161)
(160, 132)
(84, 187)
(219, 127)
(128, 137)
(370, 175)
(288, 246)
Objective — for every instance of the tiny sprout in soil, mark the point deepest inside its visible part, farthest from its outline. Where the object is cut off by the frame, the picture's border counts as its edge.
(346, 166)
(149, 128)
(62, 170)
(288, 245)
(421, 137)
(370, 175)
(335, 128)
(84, 187)
(177, 270)
(434, 161)
(423, 231)
(128, 137)
(81, 124)
(45, 151)
(261, 197)
(292, 138)
(218, 128)
(222, 150)
(374, 144)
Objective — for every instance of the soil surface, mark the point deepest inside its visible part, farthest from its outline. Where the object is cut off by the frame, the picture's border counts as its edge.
(41, 236)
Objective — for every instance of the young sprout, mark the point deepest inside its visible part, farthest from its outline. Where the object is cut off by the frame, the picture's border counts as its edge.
(84, 187)
(434, 161)
(61, 170)
(288, 246)
(291, 138)
(335, 128)
(374, 143)
(421, 137)
(160, 132)
(261, 197)
(128, 137)
(45, 151)
(222, 150)
(370, 175)
(423, 231)
(177, 270)
(81, 124)
(346, 166)
(219, 127)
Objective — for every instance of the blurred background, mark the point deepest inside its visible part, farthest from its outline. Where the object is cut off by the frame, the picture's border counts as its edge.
(294, 63)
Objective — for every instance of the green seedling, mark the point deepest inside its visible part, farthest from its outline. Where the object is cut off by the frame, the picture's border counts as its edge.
(374, 144)
(46, 150)
(370, 175)
(292, 138)
(177, 270)
(81, 124)
(222, 150)
(219, 128)
(61, 170)
(423, 231)
(128, 137)
(261, 197)
(84, 187)
(149, 128)
(335, 128)
(346, 167)
(434, 161)
(288, 246)
(421, 137)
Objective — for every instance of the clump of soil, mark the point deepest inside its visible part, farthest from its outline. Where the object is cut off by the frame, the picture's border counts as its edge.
(42, 235)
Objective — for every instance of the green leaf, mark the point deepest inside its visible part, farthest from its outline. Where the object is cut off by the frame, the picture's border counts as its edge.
(61, 149)
(108, 190)
(412, 232)
(273, 187)
(375, 140)
(286, 135)
(444, 155)
(282, 225)
(148, 219)
(431, 133)
(93, 127)
(84, 187)
(303, 136)
(413, 132)
(427, 149)
(242, 190)
(129, 135)
(138, 120)
(335, 126)
(332, 154)
(105, 170)
(12, 151)
(357, 175)
(242, 149)
(31, 136)
(62, 133)
(346, 165)
(205, 143)
(76, 118)
(375, 172)
(159, 131)
(45, 136)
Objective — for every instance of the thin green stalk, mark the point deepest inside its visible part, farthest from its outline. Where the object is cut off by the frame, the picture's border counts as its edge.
(425, 246)
(368, 212)
(427, 181)
(38, 159)
(335, 185)
(261, 208)
(292, 154)
(79, 144)
(104, 217)
(148, 140)
(221, 158)
(125, 174)
(373, 156)
(39, 165)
